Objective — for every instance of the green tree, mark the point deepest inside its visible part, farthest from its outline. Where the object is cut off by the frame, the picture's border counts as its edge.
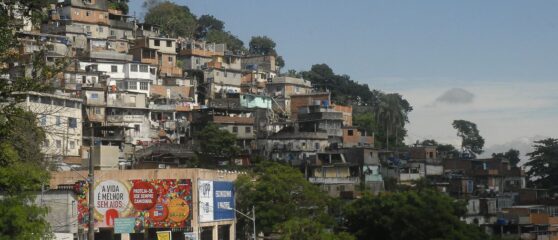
(207, 23)
(22, 171)
(175, 20)
(511, 155)
(279, 193)
(121, 5)
(307, 229)
(366, 121)
(425, 214)
(392, 115)
(543, 165)
(262, 45)
(280, 62)
(471, 141)
(215, 143)
(233, 43)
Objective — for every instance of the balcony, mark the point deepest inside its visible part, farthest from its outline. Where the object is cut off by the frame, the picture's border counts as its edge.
(125, 118)
(233, 120)
(112, 55)
(334, 180)
(121, 24)
(161, 107)
(199, 52)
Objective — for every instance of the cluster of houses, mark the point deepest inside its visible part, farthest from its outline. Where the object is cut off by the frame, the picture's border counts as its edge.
(139, 98)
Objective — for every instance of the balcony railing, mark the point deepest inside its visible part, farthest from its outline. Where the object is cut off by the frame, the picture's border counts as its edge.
(334, 180)
(121, 24)
(125, 118)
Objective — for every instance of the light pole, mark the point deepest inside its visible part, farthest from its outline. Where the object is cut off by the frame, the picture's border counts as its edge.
(91, 180)
(253, 218)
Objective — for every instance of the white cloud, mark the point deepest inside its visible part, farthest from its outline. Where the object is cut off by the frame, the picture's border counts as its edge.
(503, 112)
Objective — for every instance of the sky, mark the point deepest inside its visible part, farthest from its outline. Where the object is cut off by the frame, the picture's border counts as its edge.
(494, 63)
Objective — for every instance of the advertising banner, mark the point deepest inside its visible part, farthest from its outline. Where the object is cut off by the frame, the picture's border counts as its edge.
(124, 225)
(205, 195)
(156, 203)
(216, 200)
(164, 235)
(223, 197)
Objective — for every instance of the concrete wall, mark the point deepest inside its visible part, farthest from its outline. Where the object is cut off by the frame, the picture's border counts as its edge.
(85, 15)
(62, 210)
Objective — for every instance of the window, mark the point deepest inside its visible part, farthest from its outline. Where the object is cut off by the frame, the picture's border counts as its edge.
(297, 89)
(197, 61)
(137, 128)
(88, 13)
(144, 86)
(58, 121)
(72, 144)
(169, 43)
(88, 28)
(278, 89)
(100, 29)
(143, 68)
(170, 59)
(94, 95)
(157, 43)
(93, 79)
(350, 132)
(43, 120)
(112, 33)
(46, 143)
(58, 144)
(58, 102)
(248, 129)
(133, 85)
(72, 122)
(114, 68)
(152, 70)
(235, 129)
(97, 110)
(83, 79)
(317, 146)
(134, 67)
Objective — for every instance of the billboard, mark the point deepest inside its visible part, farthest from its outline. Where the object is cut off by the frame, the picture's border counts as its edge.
(156, 203)
(216, 200)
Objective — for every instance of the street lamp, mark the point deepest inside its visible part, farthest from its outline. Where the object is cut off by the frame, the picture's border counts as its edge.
(253, 218)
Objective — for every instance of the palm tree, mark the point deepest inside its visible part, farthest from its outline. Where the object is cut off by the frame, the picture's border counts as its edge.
(391, 114)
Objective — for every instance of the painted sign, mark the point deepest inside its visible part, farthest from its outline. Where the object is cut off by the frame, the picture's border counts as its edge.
(223, 197)
(143, 195)
(205, 195)
(216, 200)
(164, 235)
(156, 203)
(124, 225)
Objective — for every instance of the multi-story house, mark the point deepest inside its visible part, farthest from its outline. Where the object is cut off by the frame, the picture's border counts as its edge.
(90, 15)
(130, 111)
(282, 88)
(265, 63)
(334, 174)
(147, 30)
(322, 118)
(196, 55)
(132, 77)
(157, 51)
(292, 146)
(121, 25)
(61, 117)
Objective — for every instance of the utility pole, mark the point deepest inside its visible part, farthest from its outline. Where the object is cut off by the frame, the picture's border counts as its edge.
(91, 181)
(254, 221)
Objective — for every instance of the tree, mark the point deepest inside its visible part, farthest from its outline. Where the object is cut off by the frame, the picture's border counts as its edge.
(262, 45)
(543, 165)
(22, 171)
(280, 193)
(366, 121)
(280, 62)
(233, 43)
(121, 5)
(425, 214)
(471, 141)
(511, 155)
(207, 23)
(304, 228)
(392, 114)
(175, 20)
(216, 143)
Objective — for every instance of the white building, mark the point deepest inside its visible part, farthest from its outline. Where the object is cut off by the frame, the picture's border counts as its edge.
(132, 77)
(61, 118)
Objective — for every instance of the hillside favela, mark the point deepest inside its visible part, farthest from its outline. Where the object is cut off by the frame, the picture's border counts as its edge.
(278, 120)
